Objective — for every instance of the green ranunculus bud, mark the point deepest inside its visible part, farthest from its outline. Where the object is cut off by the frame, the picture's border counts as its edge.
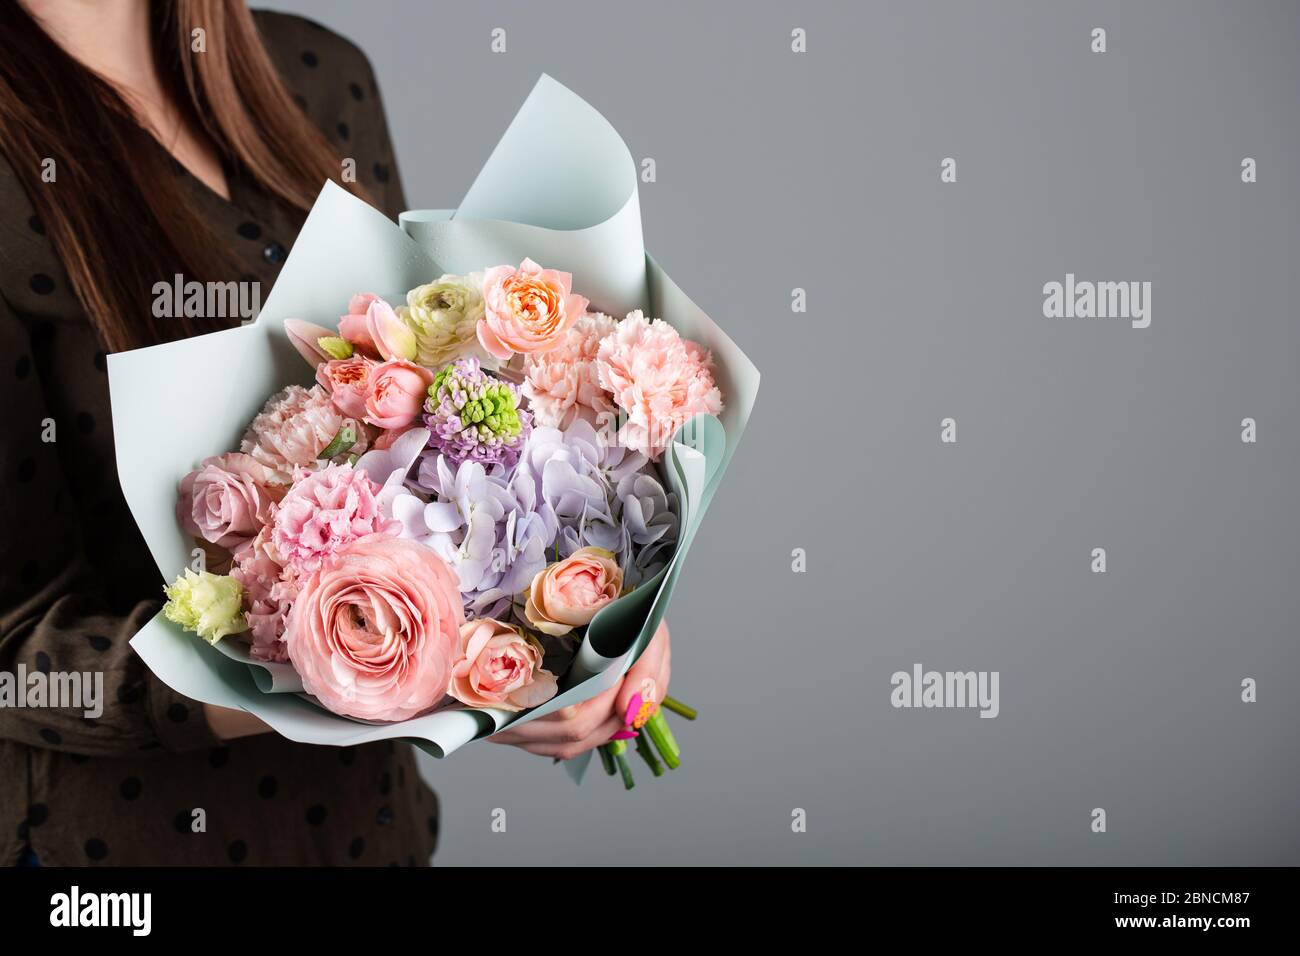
(335, 347)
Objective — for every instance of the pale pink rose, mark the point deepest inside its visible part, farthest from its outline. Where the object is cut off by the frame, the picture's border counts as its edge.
(527, 309)
(373, 633)
(347, 381)
(268, 594)
(396, 393)
(568, 593)
(659, 379)
(497, 666)
(324, 511)
(563, 385)
(227, 499)
(376, 330)
(295, 426)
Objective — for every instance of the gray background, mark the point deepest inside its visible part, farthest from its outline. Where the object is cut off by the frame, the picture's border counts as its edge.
(820, 170)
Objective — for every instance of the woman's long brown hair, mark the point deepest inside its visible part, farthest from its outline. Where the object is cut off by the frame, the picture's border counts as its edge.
(119, 216)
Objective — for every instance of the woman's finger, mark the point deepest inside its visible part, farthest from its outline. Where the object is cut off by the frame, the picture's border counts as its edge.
(569, 750)
(649, 675)
(557, 729)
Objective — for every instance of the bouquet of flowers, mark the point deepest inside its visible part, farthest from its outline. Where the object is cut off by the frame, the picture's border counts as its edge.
(471, 505)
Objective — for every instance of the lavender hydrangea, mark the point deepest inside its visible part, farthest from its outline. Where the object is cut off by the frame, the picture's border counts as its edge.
(569, 489)
(602, 494)
(473, 416)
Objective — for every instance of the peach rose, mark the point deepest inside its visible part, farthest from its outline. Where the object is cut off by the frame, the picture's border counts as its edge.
(396, 392)
(374, 631)
(347, 381)
(227, 500)
(497, 666)
(527, 309)
(568, 594)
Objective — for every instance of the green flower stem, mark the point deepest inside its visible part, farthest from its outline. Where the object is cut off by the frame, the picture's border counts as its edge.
(625, 769)
(618, 749)
(680, 709)
(659, 731)
(606, 759)
(648, 755)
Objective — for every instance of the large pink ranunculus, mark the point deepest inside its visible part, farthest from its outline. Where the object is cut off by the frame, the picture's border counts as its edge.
(497, 666)
(227, 499)
(294, 427)
(396, 393)
(373, 632)
(324, 511)
(527, 309)
(268, 594)
(375, 329)
(659, 379)
(347, 380)
(562, 385)
(568, 593)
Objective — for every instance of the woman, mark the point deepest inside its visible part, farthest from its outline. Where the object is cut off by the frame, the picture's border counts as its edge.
(140, 141)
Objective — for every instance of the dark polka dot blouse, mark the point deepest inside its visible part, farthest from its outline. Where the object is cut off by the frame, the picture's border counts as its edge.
(146, 782)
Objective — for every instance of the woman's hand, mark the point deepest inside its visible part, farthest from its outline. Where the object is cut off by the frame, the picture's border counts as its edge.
(229, 724)
(574, 730)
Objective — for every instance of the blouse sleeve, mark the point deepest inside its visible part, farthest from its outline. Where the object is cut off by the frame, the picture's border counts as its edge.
(54, 616)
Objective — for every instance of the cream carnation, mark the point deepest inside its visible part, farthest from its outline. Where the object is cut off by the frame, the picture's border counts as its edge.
(294, 427)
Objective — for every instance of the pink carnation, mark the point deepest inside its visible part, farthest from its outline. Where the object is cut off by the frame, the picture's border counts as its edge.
(324, 511)
(563, 385)
(268, 594)
(295, 426)
(659, 379)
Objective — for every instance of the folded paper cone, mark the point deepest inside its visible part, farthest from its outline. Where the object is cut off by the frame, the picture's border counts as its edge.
(559, 188)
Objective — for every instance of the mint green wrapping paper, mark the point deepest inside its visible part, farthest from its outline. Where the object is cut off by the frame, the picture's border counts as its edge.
(560, 188)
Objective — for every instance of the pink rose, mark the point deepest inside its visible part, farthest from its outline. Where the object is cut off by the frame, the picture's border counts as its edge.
(227, 500)
(324, 511)
(658, 378)
(527, 309)
(376, 330)
(568, 594)
(268, 594)
(374, 631)
(396, 393)
(496, 666)
(347, 380)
